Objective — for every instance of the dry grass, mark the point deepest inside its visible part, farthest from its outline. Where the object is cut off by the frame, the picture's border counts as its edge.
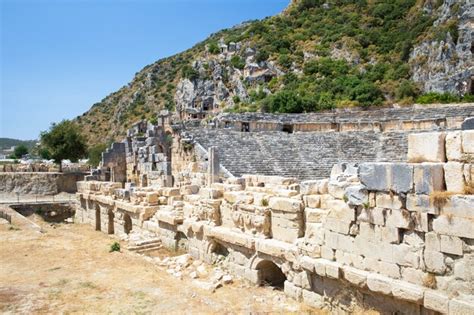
(440, 198)
(429, 281)
(468, 190)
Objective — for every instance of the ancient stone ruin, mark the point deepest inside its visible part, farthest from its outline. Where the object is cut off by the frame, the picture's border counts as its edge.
(338, 209)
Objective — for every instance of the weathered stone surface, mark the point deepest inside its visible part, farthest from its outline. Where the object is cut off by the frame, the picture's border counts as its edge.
(388, 201)
(451, 245)
(312, 201)
(409, 292)
(313, 299)
(454, 177)
(434, 261)
(454, 146)
(286, 204)
(375, 176)
(468, 124)
(339, 210)
(356, 195)
(428, 177)
(426, 147)
(420, 203)
(380, 284)
(436, 301)
(355, 276)
(461, 307)
(454, 226)
(468, 141)
(401, 178)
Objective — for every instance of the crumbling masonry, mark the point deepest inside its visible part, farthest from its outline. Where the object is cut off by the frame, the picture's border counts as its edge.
(395, 236)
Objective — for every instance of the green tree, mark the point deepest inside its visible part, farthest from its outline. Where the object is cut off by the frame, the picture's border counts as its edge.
(20, 151)
(64, 141)
(95, 154)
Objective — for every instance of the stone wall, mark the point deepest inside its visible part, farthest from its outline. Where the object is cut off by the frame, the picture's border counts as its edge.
(395, 237)
(39, 183)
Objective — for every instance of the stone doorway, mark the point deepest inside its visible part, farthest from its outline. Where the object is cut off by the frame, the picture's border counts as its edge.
(97, 217)
(269, 274)
(127, 225)
(110, 229)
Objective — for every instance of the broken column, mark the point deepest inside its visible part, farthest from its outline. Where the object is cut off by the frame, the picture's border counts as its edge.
(213, 169)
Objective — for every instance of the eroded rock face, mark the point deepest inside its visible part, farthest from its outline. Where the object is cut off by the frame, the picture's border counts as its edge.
(447, 65)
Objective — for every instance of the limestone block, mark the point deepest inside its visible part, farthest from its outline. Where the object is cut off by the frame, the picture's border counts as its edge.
(432, 242)
(454, 146)
(338, 226)
(314, 233)
(388, 269)
(374, 216)
(356, 195)
(275, 248)
(388, 201)
(404, 255)
(421, 203)
(355, 276)
(340, 210)
(314, 215)
(210, 193)
(309, 187)
(286, 204)
(168, 192)
(426, 147)
(375, 176)
(408, 292)
(337, 189)
(420, 221)
(389, 234)
(429, 177)
(460, 206)
(307, 263)
(401, 178)
(451, 245)
(379, 283)
(412, 275)
(434, 262)
(312, 201)
(468, 172)
(285, 230)
(468, 141)
(461, 307)
(293, 291)
(333, 269)
(454, 177)
(436, 301)
(399, 219)
(327, 253)
(285, 192)
(313, 299)
(238, 197)
(454, 226)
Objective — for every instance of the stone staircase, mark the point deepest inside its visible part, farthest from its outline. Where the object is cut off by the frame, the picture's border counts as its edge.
(141, 247)
(306, 155)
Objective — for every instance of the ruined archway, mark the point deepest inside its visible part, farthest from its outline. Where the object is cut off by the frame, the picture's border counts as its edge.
(181, 242)
(110, 228)
(97, 217)
(270, 274)
(127, 223)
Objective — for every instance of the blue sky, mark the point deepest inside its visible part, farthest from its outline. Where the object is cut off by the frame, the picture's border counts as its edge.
(58, 57)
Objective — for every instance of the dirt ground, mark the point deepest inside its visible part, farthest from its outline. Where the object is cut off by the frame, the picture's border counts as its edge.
(69, 269)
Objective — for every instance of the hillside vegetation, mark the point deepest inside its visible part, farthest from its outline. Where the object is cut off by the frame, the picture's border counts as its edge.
(315, 55)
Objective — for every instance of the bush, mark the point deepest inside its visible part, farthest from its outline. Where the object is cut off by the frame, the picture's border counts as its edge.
(237, 62)
(95, 154)
(214, 48)
(189, 72)
(115, 247)
(434, 97)
(262, 55)
(20, 151)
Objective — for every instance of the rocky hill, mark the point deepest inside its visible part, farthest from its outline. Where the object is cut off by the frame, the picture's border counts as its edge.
(315, 55)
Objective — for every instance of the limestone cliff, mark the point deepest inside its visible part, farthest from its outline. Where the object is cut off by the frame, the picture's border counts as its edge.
(315, 55)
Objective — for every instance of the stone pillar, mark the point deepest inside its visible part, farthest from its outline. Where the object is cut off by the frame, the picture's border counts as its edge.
(213, 169)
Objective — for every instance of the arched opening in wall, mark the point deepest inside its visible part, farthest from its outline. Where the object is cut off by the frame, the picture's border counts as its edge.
(269, 274)
(218, 251)
(181, 244)
(471, 86)
(127, 223)
(97, 217)
(287, 128)
(110, 227)
(245, 127)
